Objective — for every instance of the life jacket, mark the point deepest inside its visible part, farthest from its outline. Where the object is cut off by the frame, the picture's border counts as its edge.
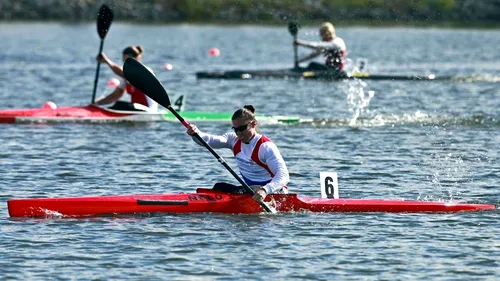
(137, 96)
(335, 58)
(255, 152)
(255, 158)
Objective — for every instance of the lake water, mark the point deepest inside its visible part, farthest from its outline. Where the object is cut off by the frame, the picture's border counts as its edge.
(410, 140)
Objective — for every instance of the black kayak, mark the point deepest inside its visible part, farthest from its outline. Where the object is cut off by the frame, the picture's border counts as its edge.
(305, 73)
(316, 71)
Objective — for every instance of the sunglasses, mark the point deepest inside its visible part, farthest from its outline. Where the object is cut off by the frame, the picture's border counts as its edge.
(241, 128)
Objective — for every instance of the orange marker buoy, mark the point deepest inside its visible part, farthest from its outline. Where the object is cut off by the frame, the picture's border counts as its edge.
(168, 66)
(214, 52)
(113, 82)
(49, 105)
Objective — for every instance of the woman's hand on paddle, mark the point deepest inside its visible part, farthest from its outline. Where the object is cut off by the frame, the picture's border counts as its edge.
(102, 58)
(260, 195)
(192, 129)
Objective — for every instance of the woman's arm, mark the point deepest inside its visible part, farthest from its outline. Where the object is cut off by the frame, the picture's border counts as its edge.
(113, 97)
(117, 69)
(310, 56)
(277, 165)
(308, 44)
(312, 45)
(224, 141)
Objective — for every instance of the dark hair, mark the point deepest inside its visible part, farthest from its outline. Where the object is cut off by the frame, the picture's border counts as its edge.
(133, 51)
(247, 113)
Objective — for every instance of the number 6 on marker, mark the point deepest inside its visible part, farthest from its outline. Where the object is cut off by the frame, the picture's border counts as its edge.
(329, 185)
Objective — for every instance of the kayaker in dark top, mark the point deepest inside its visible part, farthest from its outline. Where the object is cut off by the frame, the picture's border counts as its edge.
(331, 47)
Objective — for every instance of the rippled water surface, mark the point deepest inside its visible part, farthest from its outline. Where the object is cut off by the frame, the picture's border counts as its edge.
(410, 140)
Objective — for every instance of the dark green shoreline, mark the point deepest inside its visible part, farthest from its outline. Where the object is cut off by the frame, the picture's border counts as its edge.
(379, 13)
(343, 24)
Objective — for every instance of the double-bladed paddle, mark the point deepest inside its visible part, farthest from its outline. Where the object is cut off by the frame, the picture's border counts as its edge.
(293, 28)
(143, 79)
(104, 19)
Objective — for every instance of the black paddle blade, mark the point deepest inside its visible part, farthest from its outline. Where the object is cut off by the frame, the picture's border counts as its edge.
(142, 78)
(104, 20)
(293, 28)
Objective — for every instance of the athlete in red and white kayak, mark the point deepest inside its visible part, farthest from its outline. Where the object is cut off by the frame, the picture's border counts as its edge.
(258, 158)
(332, 47)
(138, 101)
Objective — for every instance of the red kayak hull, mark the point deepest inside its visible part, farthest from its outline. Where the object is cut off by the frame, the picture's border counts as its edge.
(73, 114)
(208, 201)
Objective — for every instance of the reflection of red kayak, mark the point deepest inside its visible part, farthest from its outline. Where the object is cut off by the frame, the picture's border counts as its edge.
(205, 200)
(89, 113)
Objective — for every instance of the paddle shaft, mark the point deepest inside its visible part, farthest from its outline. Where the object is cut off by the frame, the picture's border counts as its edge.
(142, 78)
(220, 159)
(104, 20)
(97, 72)
(296, 58)
(293, 28)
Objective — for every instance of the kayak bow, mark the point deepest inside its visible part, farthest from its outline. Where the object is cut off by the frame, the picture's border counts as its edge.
(75, 114)
(226, 117)
(209, 201)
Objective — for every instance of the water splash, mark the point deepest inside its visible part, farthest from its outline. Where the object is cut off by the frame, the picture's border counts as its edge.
(448, 172)
(357, 99)
(416, 119)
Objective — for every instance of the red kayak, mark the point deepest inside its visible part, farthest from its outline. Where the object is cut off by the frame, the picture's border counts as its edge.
(209, 201)
(50, 113)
